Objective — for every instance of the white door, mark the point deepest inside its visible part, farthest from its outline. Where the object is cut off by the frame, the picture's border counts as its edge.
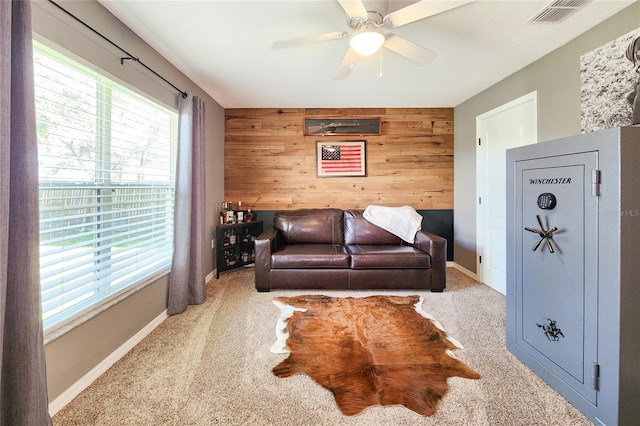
(508, 126)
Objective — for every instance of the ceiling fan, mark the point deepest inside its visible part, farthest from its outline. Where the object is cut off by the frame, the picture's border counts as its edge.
(367, 18)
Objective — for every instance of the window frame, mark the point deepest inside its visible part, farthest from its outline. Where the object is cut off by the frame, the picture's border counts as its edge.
(85, 314)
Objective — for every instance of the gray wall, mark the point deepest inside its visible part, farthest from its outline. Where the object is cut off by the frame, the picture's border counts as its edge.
(556, 77)
(74, 354)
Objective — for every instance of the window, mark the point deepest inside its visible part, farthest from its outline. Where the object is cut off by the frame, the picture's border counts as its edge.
(106, 177)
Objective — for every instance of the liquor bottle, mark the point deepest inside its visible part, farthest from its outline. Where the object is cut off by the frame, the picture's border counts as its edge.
(223, 213)
(225, 239)
(230, 216)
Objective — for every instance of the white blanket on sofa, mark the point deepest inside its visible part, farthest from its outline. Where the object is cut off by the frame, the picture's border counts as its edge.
(403, 221)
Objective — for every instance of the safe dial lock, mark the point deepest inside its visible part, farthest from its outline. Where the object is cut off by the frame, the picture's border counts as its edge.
(545, 234)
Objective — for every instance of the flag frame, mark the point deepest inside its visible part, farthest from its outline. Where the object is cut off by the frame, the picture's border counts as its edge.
(352, 164)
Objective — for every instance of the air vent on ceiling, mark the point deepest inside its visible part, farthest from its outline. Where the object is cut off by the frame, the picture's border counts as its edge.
(557, 11)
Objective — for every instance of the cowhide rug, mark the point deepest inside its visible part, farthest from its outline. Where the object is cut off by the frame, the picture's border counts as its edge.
(378, 350)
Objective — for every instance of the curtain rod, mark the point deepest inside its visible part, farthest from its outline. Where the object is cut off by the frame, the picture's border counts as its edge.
(129, 57)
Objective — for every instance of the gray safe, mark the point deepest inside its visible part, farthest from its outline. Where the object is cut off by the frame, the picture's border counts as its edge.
(573, 269)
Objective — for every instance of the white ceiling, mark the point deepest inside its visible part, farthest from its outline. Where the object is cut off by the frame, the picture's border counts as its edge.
(224, 47)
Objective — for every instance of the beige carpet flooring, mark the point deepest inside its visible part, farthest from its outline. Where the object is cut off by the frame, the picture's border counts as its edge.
(212, 365)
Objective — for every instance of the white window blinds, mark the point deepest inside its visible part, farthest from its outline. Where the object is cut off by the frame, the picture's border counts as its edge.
(106, 174)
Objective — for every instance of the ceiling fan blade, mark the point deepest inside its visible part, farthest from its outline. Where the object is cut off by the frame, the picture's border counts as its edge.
(345, 66)
(420, 10)
(408, 49)
(354, 8)
(309, 39)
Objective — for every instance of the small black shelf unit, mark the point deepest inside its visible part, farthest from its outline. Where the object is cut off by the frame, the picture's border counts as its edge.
(235, 245)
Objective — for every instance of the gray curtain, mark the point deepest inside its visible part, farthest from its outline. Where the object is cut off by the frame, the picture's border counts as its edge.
(186, 282)
(23, 383)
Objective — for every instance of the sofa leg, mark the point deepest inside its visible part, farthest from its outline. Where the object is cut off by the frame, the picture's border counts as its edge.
(437, 290)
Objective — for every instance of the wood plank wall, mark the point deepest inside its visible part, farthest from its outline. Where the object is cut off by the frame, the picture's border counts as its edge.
(270, 165)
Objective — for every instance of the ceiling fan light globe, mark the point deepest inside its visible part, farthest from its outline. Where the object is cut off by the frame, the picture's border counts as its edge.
(366, 43)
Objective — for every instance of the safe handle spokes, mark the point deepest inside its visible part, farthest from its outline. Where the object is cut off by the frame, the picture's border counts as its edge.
(545, 235)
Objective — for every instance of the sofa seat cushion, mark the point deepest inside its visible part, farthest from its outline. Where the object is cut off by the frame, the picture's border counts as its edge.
(387, 256)
(310, 256)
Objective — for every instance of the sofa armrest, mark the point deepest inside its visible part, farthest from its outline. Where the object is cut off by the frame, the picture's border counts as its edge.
(265, 244)
(436, 246)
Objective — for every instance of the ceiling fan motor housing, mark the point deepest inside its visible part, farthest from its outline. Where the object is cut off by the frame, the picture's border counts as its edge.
(376, 11)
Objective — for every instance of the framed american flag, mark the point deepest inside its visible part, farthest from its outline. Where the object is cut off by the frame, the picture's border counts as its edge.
(340, 158)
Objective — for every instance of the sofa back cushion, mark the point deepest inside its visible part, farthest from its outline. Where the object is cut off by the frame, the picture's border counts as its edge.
(320, 226)
(358, 230)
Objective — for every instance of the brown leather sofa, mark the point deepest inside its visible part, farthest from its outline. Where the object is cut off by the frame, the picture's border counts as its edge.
(339, 249)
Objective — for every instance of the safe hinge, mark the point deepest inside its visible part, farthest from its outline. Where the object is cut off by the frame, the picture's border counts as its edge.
(595, 183)
(595, 375)
(479, 142)
(479, 200)
(479, 259)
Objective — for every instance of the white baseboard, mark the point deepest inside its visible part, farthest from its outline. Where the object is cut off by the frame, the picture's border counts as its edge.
(464, 270)
(210, 276)
(75, 389)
